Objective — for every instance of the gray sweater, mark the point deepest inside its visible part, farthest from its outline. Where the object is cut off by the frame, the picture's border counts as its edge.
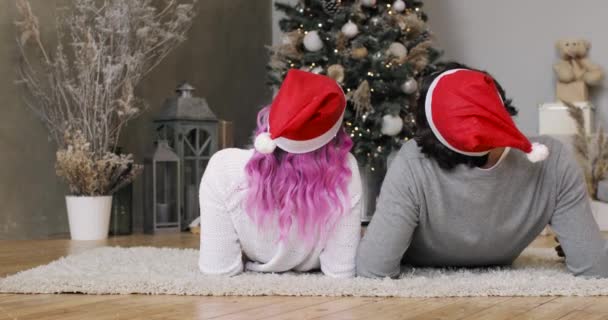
(467, 217)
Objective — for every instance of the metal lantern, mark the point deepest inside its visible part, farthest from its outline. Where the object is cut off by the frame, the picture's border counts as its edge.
(163, 198)
(191, 129)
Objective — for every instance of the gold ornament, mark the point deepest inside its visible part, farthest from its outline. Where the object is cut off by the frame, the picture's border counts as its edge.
(357, 11)
(410, 23)
(336, 72)
(289, 46)
(361, 98)
(294, 38)
(341, 41)
(277, 63)
(418, 56)
(359, 53)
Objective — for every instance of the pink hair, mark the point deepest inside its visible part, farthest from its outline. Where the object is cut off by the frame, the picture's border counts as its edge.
(310, 188)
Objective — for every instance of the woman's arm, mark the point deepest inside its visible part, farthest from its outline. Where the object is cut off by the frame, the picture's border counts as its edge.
(220, 251)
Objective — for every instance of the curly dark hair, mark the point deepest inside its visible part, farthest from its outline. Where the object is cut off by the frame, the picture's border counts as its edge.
(426, 139)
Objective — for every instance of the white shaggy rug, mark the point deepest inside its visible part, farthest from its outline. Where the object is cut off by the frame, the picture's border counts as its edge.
(146, 270)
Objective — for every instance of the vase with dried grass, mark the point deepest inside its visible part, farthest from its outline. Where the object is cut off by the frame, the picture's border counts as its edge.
(592, 154)
(84, 91)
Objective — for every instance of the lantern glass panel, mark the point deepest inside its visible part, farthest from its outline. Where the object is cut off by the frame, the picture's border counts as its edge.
(191, 190)
(166, 192)
(205, 144)
(190, 172)
(166, 133)
(191, 143)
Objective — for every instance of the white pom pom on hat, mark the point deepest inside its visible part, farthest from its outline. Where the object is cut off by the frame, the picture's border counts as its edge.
(264, 144)
(539, 152)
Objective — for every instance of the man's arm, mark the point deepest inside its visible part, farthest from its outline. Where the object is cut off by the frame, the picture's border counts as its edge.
(390, 231)
(585, 248)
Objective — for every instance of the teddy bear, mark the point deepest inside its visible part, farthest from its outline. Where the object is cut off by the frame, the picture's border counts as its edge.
(575, 72)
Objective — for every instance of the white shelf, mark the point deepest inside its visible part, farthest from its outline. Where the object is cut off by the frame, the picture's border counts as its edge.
(553, 118)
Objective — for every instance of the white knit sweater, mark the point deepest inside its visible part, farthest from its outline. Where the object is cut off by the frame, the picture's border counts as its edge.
(229, 237)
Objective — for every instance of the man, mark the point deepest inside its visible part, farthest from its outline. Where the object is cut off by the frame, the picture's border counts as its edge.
(471, 190)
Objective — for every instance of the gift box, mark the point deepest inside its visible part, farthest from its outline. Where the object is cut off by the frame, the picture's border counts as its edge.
(554, 119)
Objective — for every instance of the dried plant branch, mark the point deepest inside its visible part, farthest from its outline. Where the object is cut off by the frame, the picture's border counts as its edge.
(592, 152)
(84, 92)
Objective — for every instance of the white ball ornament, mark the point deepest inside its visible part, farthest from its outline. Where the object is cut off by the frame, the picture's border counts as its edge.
(399, 6)
(312, 41)
(350, 29)
(398, 50)
(391, 125)
(368, 3)
(410, 86)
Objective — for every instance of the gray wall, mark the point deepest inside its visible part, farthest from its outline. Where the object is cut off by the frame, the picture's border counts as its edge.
(514, 40)
(276, 16)
(224, 58)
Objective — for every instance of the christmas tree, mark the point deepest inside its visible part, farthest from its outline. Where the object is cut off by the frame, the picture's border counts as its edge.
(375, 49)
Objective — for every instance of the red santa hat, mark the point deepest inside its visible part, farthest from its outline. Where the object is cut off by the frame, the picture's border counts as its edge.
(466, 113)
(305, 115)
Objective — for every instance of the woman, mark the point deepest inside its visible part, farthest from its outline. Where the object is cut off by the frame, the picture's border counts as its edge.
(295, 207)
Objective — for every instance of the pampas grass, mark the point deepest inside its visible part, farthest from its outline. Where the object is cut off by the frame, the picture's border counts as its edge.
(592, 152)
(83, 89)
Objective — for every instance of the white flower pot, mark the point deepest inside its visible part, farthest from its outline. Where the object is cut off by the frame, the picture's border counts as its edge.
(600, 213)
(89, 217)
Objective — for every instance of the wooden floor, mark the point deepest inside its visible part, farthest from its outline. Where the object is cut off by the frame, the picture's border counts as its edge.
(21, 255)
